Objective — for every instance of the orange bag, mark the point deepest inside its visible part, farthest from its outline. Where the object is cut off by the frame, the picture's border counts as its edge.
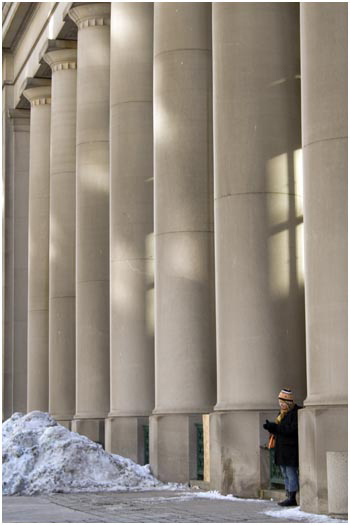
(272, 441)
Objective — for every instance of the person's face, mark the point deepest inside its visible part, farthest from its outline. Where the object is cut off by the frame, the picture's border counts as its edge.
(283, 404)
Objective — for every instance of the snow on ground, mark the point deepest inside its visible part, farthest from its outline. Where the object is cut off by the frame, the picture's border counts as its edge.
(40, 457)
(214, 494)
(293, 513)
(296, 514)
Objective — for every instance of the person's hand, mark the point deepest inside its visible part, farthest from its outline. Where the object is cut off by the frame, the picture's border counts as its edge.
(269, 426)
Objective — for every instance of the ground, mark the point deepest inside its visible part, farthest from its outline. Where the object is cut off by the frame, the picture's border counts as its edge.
(145, 507)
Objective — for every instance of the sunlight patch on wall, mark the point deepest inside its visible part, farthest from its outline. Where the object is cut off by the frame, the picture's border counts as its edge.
(298, 172)
(300, 254)
(278, 82)
(53, 236)
(277, 209)
(93, 179)
(122, 29)
(186, 259)
(149, 252)
(277, 174)
(120, 293)
(51, 29)
(162, 125)
(279, 264)
(150, 312)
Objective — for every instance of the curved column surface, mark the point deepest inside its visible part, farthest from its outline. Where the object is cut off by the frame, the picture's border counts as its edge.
(20, 120)
(92, 210)
(8, 263)
(62, 233)
(184, 276)
(258, 204)
(131, 209)
(324, 129)
(38, 248)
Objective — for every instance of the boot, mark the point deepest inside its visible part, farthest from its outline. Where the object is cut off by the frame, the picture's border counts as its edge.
(291, 501)
(282, 503)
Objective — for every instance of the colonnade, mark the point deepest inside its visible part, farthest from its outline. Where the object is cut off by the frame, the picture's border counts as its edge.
(165, 273)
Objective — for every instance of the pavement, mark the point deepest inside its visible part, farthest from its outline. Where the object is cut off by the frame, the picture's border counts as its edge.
(144, 507)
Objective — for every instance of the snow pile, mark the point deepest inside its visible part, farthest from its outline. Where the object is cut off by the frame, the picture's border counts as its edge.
(41, 457)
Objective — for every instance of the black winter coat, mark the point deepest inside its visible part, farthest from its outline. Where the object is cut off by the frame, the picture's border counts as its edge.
(286, 448)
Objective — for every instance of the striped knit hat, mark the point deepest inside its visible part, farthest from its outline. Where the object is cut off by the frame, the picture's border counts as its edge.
(286, 395)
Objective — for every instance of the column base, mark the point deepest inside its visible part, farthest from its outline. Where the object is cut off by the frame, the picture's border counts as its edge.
(321, 430)
(173, 444)
(127, 437)
(239, 461)
(93, 429)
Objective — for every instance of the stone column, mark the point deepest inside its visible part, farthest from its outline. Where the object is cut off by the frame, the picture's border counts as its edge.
(258, 241)
(323, 423)
(8, 237)
(92, 219)
(38, 248)
(8, 265)
(20, 120)
(184, 273)
(131, 219)
(62, 231)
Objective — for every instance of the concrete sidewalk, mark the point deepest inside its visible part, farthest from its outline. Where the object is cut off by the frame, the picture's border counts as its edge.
(142, 507)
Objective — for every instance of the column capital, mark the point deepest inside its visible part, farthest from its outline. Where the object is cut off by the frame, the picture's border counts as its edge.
(38, 96)
(60, 54)
(90, 15)
(61, 59)
(31, 84)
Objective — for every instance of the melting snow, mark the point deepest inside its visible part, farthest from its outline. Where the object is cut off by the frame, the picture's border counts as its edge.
(214, 494)
(297, 515)
(40, 457)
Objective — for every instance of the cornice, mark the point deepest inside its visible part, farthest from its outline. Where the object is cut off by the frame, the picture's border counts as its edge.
(15, 24)
(91, 15)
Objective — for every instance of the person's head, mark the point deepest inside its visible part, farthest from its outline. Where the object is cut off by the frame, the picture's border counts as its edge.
(285, 399)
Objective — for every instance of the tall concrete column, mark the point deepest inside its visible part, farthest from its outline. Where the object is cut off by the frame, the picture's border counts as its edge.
(63, 63)
(92, 219)
(38, 248)
(258, 241)
(185, 372)
(16, 152)
(325, 145)
(8, 265)
(20, 120)
(8, 237)
(131, 223)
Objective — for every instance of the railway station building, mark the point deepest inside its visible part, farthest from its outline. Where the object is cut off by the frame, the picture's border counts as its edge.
(175, 232)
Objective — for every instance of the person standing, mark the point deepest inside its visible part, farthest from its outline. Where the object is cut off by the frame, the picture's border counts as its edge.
(284, 440)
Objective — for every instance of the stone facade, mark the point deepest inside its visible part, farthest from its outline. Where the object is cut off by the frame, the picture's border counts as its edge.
(175, 232)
